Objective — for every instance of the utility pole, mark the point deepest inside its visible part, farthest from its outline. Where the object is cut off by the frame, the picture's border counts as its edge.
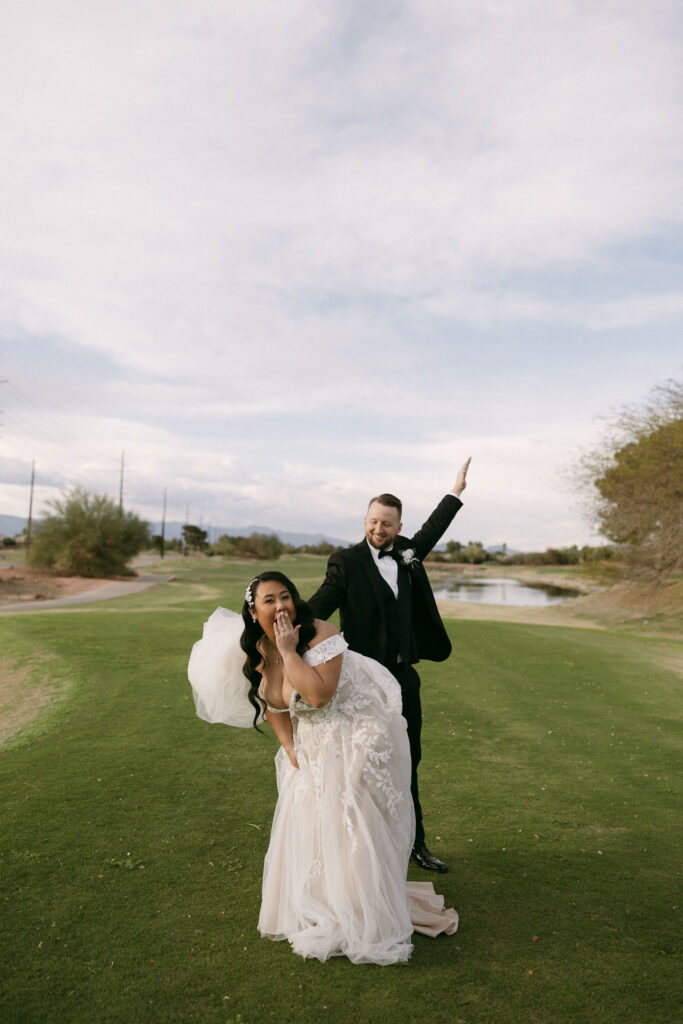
(163, 526)
(121, 486)
(30, 506)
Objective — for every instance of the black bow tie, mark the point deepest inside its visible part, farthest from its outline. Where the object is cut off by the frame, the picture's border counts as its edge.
(386, 553)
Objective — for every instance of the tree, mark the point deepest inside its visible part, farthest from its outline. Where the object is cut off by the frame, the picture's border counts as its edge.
(453, 547)
(195, 538)
(474, 552)
(225, 545)
(637, 476)
(262, 546)
(86, 535)
(323, 547)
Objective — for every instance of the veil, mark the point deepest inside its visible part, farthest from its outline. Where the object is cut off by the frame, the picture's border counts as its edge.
(218, 685)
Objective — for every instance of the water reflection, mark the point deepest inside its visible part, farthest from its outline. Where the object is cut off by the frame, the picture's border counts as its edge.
(498, 590)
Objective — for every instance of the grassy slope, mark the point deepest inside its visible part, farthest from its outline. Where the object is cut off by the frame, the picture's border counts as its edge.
(133, 834)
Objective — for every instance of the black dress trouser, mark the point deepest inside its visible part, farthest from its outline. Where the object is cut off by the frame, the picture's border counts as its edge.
(409, 681)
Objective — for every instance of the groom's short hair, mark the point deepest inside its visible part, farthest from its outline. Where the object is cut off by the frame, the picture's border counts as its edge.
(388, 499)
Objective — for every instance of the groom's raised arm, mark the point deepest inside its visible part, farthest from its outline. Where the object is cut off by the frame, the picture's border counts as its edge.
(331, 594)
(431, 532)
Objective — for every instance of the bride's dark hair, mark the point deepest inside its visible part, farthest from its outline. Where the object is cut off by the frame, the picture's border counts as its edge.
(253, 633)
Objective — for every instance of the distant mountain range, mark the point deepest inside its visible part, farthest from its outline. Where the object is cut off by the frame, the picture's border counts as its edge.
(175, 530)
(10, 526)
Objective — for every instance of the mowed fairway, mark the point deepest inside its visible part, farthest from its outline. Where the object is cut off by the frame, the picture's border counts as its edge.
(133, 834)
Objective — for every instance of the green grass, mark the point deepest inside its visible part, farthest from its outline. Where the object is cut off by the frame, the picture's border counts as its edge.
(133, 834)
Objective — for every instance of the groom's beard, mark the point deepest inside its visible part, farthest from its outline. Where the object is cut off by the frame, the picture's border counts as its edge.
(380, 544)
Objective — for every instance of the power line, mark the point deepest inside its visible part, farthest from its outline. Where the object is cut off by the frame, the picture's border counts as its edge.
(33, 436)
(50, 422)
(49, 438)
(41, 426)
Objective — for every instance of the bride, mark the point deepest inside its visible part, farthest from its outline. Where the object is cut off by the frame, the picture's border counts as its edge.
(334, 880)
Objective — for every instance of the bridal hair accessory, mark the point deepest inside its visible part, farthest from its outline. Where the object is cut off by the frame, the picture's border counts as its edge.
(248, 596)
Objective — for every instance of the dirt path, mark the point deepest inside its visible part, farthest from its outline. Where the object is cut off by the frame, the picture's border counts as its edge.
(555, 615)
(89, 591)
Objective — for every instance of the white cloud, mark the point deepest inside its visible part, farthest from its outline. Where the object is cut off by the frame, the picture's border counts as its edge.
(165, 194)
(246, 216)
(639, 310)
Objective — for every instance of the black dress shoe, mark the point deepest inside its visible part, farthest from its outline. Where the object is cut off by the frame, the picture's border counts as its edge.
(425, 859)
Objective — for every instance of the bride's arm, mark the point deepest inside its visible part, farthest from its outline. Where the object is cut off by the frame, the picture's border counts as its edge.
(318, 685)
(281, 724)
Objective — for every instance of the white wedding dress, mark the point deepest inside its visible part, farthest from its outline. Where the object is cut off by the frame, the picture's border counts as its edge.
(334, 880)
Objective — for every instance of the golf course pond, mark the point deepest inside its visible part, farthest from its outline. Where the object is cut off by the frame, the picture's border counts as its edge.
(500, 590)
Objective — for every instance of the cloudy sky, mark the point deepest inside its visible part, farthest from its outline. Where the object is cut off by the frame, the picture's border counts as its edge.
(289, 253)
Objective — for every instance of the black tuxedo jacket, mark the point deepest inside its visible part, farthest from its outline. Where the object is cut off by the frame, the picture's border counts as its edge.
(354, 585)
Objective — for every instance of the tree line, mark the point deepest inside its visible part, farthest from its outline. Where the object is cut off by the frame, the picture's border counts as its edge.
(89, 535)
(474, 553)
(262, 546)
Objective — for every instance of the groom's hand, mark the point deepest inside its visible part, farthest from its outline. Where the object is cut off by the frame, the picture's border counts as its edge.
(461, 482)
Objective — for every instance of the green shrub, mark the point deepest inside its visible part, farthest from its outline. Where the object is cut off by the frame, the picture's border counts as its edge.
(87, 535)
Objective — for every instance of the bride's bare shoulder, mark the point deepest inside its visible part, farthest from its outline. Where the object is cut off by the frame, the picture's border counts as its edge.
(323, 630)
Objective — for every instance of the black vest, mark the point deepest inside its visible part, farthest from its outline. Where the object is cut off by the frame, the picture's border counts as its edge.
(397, 616)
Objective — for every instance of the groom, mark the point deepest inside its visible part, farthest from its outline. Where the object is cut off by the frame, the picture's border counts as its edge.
(388, 611)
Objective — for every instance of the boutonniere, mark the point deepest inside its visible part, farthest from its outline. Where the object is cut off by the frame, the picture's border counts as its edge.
(407, 557)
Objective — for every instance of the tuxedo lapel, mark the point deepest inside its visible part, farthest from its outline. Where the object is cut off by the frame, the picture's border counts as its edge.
(371, 571)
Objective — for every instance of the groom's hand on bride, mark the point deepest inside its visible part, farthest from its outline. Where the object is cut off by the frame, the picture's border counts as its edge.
(461, 481)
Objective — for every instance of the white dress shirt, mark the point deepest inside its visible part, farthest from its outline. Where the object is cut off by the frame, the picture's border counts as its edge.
(388, 568)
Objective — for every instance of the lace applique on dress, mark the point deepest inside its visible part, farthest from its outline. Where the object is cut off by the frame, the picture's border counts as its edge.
(334, 877)
(326, 650)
